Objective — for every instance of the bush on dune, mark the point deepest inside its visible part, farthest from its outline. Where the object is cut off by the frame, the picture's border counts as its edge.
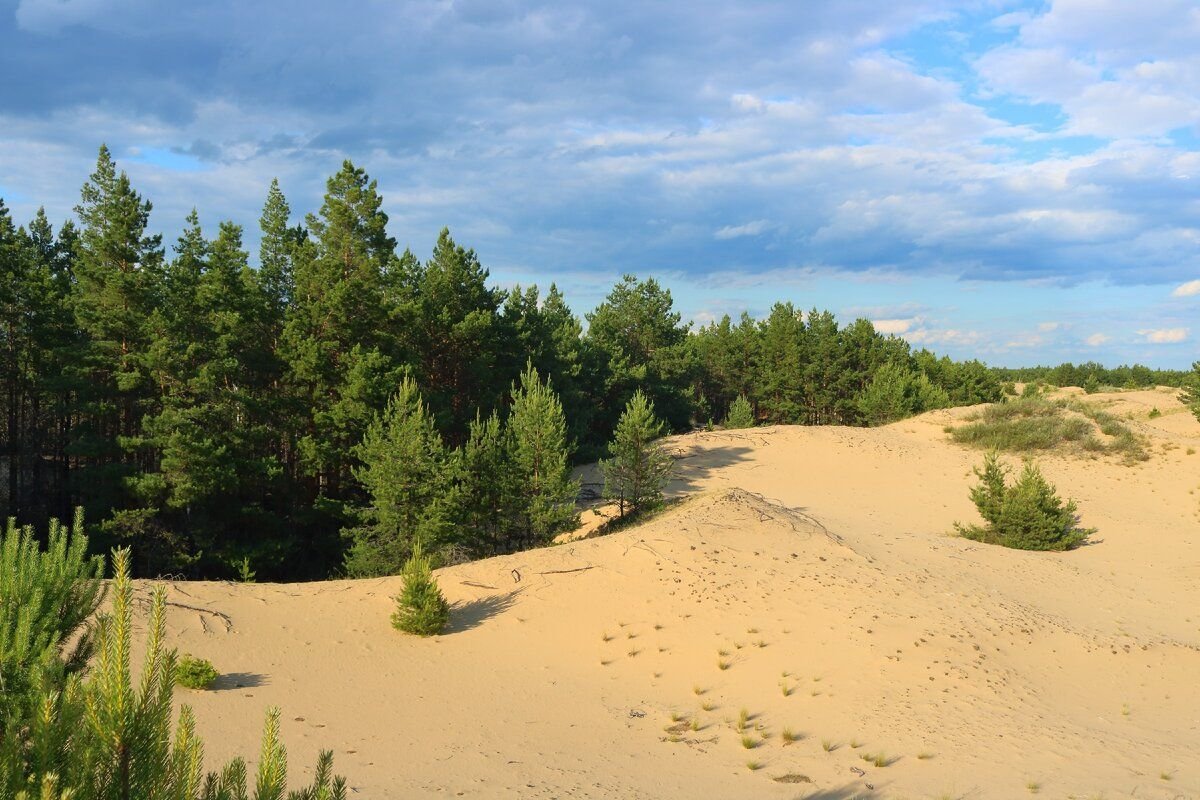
(1027, 514)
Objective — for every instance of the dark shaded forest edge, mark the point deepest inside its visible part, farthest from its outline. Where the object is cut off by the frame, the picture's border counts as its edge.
(224, 419)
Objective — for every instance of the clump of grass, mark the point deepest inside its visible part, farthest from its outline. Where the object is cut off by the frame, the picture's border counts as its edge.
(743, 719)
(1034, 422)
(676, 716)
(608, 637)
(708, 706)
(751, 631)
(633, 652)
(723, 653)
(195, 673)
(924, 755)
(1034, 787)
(754, 766)
(1165, 776)
(828, 745)
(761, 643)
(695, 725)
(698, 690)
(630, 635)
(855, 744)
(1155, 413)
(658, 626)
(788, 736)
(785, 689)
(877, 759)
(749, 742)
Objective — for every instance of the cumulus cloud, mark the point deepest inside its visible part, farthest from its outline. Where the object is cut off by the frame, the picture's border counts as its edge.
(1164, 335)
(1097, 340)
(740, 145)
(1189, 289)
(895, 326)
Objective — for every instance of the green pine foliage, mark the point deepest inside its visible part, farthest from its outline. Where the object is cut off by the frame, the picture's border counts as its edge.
(405, 471)
(420, 607)
(105, 736)
(541, 469)
(637, 469)
(1026, 514)
(741, 414)
(897, 392)
(1190, 396)
(46, 600)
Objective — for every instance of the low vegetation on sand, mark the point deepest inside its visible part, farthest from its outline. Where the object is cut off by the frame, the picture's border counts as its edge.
(103, 736)
(1034, 422)
(1027, 514)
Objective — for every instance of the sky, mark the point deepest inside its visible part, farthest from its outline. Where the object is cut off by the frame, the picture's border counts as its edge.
(1013, 181)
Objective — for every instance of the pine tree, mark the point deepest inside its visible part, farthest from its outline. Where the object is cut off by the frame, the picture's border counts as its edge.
(275, 252)
(638, 343)
(483, 502)
(119, 282)
(1027, 515)
(1190, 396)
(538, 432)
(335, 339)
(779, 390)
(420, 607)
(638, 468)
(741, 414)
(405, 472)
(449, 325)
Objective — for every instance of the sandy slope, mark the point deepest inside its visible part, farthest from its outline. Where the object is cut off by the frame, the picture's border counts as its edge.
(819, 560)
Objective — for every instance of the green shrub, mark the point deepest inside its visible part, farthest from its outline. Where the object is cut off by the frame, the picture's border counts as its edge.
(195, 673)
(741, 414)
(46, 600)
(1027, 515)
(638, 468)
(420, 607)
(1091, 385)
(1190, 396)
(1155, 413)
(1034, 422)
(106, 737)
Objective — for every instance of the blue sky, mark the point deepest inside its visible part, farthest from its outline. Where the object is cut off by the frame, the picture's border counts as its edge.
(1014, 181)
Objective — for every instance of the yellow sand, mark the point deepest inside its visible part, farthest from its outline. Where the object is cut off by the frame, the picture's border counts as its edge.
(820, 561)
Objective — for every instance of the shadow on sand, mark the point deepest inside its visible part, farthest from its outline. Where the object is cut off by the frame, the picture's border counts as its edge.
(238, 680)
(470, 614)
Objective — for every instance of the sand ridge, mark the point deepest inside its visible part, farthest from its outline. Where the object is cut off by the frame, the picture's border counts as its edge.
(808, 578)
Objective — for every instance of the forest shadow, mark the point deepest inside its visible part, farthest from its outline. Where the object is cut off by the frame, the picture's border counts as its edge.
(472, 613)
(694, 464)
(238, 680)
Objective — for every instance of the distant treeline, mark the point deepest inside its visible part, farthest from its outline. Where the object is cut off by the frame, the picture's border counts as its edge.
(212, 414)
(1093, 375)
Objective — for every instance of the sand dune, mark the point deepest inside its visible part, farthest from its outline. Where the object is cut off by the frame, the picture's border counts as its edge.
(819, 561)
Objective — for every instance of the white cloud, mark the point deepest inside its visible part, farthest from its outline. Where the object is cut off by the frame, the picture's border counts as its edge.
(1189, 289)
(1097, 340)
(1164, 335)
(1046, 327)
(895, 326)
(749, 229)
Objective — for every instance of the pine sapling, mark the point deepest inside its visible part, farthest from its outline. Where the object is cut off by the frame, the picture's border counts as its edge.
(420, 608)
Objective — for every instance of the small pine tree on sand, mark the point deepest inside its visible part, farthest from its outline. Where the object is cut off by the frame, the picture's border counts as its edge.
(420, 607)
(638, 468)
(741, 414)
(1027, 515)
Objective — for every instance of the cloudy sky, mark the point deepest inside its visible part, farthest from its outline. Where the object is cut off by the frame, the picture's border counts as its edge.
(1011, 180)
